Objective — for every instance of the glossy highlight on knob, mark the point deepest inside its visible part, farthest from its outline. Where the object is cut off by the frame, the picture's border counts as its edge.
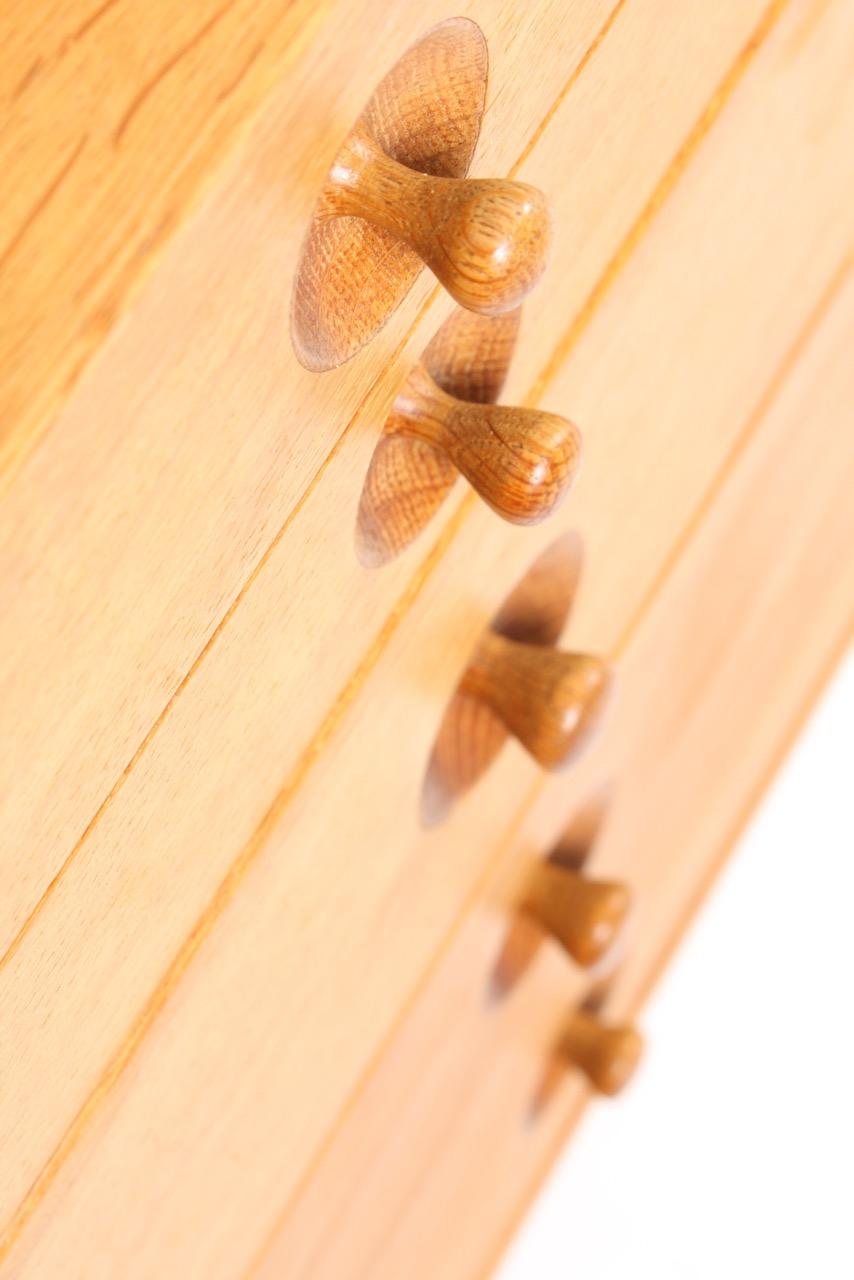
(486, 240)
(583, 915)
(607, 1054)
(549, 700)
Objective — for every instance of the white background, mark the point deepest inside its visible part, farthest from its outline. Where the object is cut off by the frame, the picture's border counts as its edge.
(732, 1152)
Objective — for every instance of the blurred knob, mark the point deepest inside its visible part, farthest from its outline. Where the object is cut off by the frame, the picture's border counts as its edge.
(486, 240)
(606, 1054)
(549, 700)
(520, 461)
(583, 915)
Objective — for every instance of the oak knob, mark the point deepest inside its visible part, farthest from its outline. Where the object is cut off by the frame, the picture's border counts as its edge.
(520, 461)
(549, 700)
(582, 914)
(486, 240)
(606, 1053)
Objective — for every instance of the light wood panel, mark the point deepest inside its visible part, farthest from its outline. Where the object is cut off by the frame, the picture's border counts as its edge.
(132, 532)
(115, 116)
(431, 1160)
(312, 885)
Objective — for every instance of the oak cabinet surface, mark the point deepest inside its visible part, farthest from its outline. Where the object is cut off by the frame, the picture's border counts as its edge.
(258, 1017)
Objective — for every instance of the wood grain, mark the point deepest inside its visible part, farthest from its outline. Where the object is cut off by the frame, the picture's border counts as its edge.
(277, 920)
(447, 1104)
(102, 634)
(520, 461)
(425, 115)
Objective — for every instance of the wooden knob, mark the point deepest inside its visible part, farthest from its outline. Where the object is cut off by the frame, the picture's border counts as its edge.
(520, 461)
(583, 915)
(549, 700)
(606, 1054)
(486, 240)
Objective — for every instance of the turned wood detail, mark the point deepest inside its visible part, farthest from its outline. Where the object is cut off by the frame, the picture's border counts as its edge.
(583, 915)
(397, 198)
(549, 700)
(486, 240)
(518, 683)
(520, 461)
(606, 1053)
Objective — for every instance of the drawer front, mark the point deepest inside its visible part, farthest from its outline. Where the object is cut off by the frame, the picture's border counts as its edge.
(225, 897)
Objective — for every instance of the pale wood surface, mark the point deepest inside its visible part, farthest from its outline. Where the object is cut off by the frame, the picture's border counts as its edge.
(692, 330)
(485, 239)
(441, 1132)
(189, 448)
(114, 117)
(582, 914)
